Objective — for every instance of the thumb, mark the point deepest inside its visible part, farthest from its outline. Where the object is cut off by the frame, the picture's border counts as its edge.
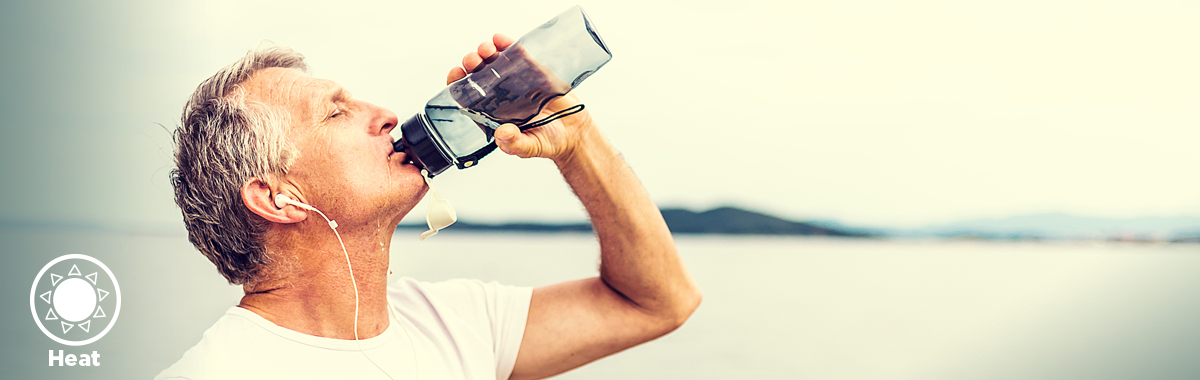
(511, 140)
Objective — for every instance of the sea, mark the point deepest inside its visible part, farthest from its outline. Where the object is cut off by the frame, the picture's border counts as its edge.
(774, 307)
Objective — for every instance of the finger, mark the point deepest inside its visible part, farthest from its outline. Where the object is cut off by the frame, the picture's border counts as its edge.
(502, 41)
(510, 140)
(455, 74)
(471, 61)
(486, 50)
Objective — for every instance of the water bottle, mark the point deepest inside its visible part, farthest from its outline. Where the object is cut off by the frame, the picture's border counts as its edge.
(457, 124)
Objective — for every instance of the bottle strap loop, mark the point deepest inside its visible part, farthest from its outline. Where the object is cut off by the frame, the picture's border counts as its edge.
(554, 116)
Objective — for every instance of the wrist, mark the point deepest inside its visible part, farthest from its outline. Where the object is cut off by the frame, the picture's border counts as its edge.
(589, 144)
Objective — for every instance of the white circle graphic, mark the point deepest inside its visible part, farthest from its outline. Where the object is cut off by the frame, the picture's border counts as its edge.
(77, 301)
(74, 299)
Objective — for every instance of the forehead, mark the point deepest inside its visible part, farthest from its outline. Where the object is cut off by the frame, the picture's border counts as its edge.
(289, 88)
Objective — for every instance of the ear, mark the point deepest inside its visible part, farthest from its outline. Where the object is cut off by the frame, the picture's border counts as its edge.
(259, 199)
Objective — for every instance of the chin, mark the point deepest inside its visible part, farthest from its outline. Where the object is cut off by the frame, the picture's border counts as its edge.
(407, 199)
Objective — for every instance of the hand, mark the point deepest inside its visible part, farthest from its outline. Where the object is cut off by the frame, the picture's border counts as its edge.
(557, 140)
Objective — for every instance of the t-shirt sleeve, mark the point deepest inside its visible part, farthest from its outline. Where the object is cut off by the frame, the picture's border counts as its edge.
(501, 310)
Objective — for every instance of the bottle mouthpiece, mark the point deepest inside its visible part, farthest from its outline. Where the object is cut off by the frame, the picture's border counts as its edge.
(440, 213)
(418, 142)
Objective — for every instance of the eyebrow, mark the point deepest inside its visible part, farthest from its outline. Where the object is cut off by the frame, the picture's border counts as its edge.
(339, 95)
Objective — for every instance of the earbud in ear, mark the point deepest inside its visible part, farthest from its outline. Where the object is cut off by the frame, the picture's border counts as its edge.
(282, 201)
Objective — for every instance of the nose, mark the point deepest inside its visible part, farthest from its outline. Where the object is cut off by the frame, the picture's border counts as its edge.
(384, 120)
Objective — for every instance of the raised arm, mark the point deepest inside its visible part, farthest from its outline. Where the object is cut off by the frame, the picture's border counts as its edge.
(643, 290)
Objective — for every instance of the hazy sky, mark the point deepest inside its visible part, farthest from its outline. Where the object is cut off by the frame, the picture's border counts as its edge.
(870, 112)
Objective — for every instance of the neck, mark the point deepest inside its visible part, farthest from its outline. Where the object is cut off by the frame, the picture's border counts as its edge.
(308, 287)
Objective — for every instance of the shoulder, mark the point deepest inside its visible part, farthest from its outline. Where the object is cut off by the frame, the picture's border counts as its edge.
(224, 345)
(481, 322)
(462, 296)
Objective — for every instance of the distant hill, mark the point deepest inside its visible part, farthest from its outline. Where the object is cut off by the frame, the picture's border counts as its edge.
(730, 220)
(724, 220)
(1057, 226)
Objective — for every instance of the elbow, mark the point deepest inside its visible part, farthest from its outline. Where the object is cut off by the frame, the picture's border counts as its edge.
(686, 305)
(690, 304)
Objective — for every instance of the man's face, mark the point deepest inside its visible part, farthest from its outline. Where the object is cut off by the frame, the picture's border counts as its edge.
(346, 166)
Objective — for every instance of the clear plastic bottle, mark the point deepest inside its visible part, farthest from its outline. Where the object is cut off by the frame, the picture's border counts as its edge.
(456, 126)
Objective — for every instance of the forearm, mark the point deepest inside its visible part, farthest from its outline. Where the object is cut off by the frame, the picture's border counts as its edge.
(638, 256)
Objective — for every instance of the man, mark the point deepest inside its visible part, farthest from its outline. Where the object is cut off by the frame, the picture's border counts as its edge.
(262, 127)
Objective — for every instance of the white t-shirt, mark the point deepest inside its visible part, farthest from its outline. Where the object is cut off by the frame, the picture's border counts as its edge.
(459, 329)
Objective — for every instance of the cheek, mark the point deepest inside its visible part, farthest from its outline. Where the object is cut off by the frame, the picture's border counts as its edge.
(365, 173)
(344, 175)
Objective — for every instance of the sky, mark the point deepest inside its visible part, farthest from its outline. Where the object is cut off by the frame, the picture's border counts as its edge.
(871, 113)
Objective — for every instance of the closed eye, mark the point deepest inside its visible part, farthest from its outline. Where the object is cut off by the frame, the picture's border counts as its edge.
(339, 112)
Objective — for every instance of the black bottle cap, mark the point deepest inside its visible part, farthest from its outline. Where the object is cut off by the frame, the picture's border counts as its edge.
(417, 142)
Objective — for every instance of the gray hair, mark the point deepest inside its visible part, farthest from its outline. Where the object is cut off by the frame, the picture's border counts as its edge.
(223, 141)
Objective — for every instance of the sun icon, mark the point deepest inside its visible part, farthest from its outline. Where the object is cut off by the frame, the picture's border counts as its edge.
(72, 307)
(75, 299)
